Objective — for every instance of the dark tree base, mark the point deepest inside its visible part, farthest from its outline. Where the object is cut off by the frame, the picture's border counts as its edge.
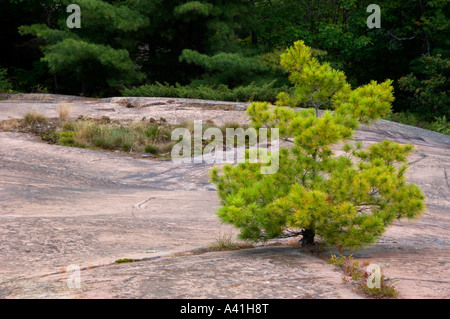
(308, 237)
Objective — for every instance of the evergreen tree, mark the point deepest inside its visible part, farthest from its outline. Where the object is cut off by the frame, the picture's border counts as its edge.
(209, 38)
(348, 200)
(428, 87)
(96, 55)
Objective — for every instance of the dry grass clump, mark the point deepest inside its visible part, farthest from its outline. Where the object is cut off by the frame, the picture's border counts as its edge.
(10, 125)
(34, 117)
(226, 242)
(64, 111)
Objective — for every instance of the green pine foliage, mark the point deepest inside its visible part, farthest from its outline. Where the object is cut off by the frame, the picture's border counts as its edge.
(193, 8)
(5, 85)
(214, 43)
(243, 93)
(227, 68)
(347, 200)
(428, 87)
(96, 55)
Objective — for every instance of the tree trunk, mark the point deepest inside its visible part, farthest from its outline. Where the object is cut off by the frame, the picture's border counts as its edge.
(308, 237)
(427, 37)
(83, 88)
(254, 38)
(55, 82)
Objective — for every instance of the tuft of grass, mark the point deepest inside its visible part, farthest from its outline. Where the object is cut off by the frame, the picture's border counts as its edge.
(187, 124)
(34, 117)
(355, 271)
(9, 125)
(226, 242)
(119, 138)
(64, 111)
(152, 131)
(86, 131)
(152, 149)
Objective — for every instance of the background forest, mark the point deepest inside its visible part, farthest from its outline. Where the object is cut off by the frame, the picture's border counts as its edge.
(226, 50)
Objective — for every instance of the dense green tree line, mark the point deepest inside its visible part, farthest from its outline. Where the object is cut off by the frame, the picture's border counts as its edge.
(224, 45)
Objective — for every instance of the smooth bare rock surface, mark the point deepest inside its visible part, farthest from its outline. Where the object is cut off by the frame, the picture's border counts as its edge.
(172, 110)
(267, 273)
(417, 253)
(61, 206)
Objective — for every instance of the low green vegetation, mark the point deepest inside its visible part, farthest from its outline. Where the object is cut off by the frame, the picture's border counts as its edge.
(147, 136)
(5, 85)
(224, 50)
(124, 261)
(135, 137)
(427, 87)
(245, 93)
(439, 124)
(356, 272)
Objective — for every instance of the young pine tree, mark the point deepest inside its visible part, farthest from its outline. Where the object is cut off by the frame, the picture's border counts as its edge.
(349, 199)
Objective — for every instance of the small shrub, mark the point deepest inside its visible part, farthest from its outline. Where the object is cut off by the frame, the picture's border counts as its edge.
(5, 85)
(67, 138)
(441, 125)
(52, 137)
(337, 261)
(355, 271)
(427, 88)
